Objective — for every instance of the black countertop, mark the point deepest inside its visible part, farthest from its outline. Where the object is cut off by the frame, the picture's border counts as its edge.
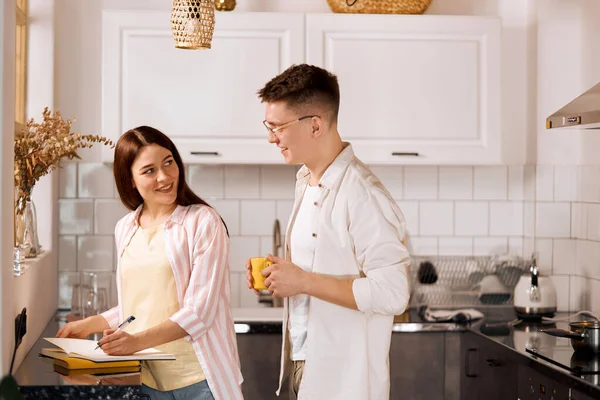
(550, 355)
(38, 380)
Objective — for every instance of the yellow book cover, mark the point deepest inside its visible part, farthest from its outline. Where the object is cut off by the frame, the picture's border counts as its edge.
(62, 359)
(100, 372)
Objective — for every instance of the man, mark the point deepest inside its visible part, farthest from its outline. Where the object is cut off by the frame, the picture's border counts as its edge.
(344, 275)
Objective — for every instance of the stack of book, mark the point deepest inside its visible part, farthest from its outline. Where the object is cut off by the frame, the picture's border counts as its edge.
(80, 357)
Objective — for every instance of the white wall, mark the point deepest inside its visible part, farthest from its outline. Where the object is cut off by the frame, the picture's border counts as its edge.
(7, 113)
(37, 288)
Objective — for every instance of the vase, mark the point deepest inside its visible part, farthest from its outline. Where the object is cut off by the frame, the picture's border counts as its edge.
(26, 228)
(224, 5)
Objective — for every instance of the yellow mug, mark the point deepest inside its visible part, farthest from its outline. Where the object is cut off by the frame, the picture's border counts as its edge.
(258, 264)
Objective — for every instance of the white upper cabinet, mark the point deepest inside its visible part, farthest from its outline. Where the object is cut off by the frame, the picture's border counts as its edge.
(414, 89)
(205, 101)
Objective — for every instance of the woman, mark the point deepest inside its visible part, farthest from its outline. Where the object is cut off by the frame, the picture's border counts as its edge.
(172, 276)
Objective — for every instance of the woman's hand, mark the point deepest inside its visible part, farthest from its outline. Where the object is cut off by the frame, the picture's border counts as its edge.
(83, 328)
(76, 329)
(119, 343)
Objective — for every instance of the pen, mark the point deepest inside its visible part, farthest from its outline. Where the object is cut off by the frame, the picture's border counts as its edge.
(119, 328)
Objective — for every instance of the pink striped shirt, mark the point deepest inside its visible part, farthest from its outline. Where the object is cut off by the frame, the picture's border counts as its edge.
(198, 250)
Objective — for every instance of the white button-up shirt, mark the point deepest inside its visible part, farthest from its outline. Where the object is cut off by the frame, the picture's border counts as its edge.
(361, 235)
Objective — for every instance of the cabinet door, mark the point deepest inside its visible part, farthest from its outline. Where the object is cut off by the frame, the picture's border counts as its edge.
(414, 89)
(260, 355)
(417, 366)
(203, 99)
(489, 371)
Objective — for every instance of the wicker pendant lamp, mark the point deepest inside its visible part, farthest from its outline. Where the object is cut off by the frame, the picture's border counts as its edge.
(193, 23)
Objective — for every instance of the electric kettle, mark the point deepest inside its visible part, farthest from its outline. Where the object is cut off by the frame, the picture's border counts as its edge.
(534, 295)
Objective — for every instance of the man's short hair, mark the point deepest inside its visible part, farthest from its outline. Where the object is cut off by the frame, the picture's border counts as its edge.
(303, 86)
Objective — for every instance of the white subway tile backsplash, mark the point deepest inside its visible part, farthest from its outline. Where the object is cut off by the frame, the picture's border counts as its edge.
(248, 298)
(579, 293)
(67, 180)
(588, 258)
(106, 215)
(579, 220)
(277, 182)
(565, 183)
(392, 178)
(410, 210)
(230, 212)
(528, 218)
(516, 246)
(207, 181)
(594, 296)
(529, 185)
(235, 289)
(593, 221)
(485, 246)
(562, 284)
(590, 184)
(267, 246)
(553, 220)
(67, 253)
(258, 217)
(544, 252)
(490, 183)
(528, 246)
(437, 218)
(284, 213)
(425, 246)
(242, 182)
(76, 217)
(471, 218)
(564, 256)
(456, 183)
(95, 180)
(449, 210)
(544, 183)
(420, 183)
(95, 253)
(516, 182)
(506, 218)
(241, 249)
(455, 246)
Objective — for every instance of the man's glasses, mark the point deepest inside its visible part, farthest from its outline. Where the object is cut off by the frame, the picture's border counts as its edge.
(274, 129)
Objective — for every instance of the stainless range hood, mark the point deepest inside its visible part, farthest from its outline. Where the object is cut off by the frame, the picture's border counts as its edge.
(582, 113)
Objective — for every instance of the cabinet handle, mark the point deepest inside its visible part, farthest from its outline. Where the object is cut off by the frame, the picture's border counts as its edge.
(494, 363)
(469, 375)
(204, 153)
(403, 154)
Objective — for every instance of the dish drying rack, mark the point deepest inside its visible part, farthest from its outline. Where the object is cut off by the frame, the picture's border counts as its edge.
(454, 281)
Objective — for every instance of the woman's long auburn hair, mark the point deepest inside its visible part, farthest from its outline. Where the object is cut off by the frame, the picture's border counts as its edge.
(127, 149)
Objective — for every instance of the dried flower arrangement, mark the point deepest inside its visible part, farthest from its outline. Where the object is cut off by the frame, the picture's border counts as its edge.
(40, 147)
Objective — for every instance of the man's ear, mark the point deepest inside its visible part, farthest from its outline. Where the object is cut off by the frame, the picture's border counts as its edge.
(318, 127)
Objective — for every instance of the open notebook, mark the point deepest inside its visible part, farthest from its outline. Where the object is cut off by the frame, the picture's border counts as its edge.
(83, 348)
